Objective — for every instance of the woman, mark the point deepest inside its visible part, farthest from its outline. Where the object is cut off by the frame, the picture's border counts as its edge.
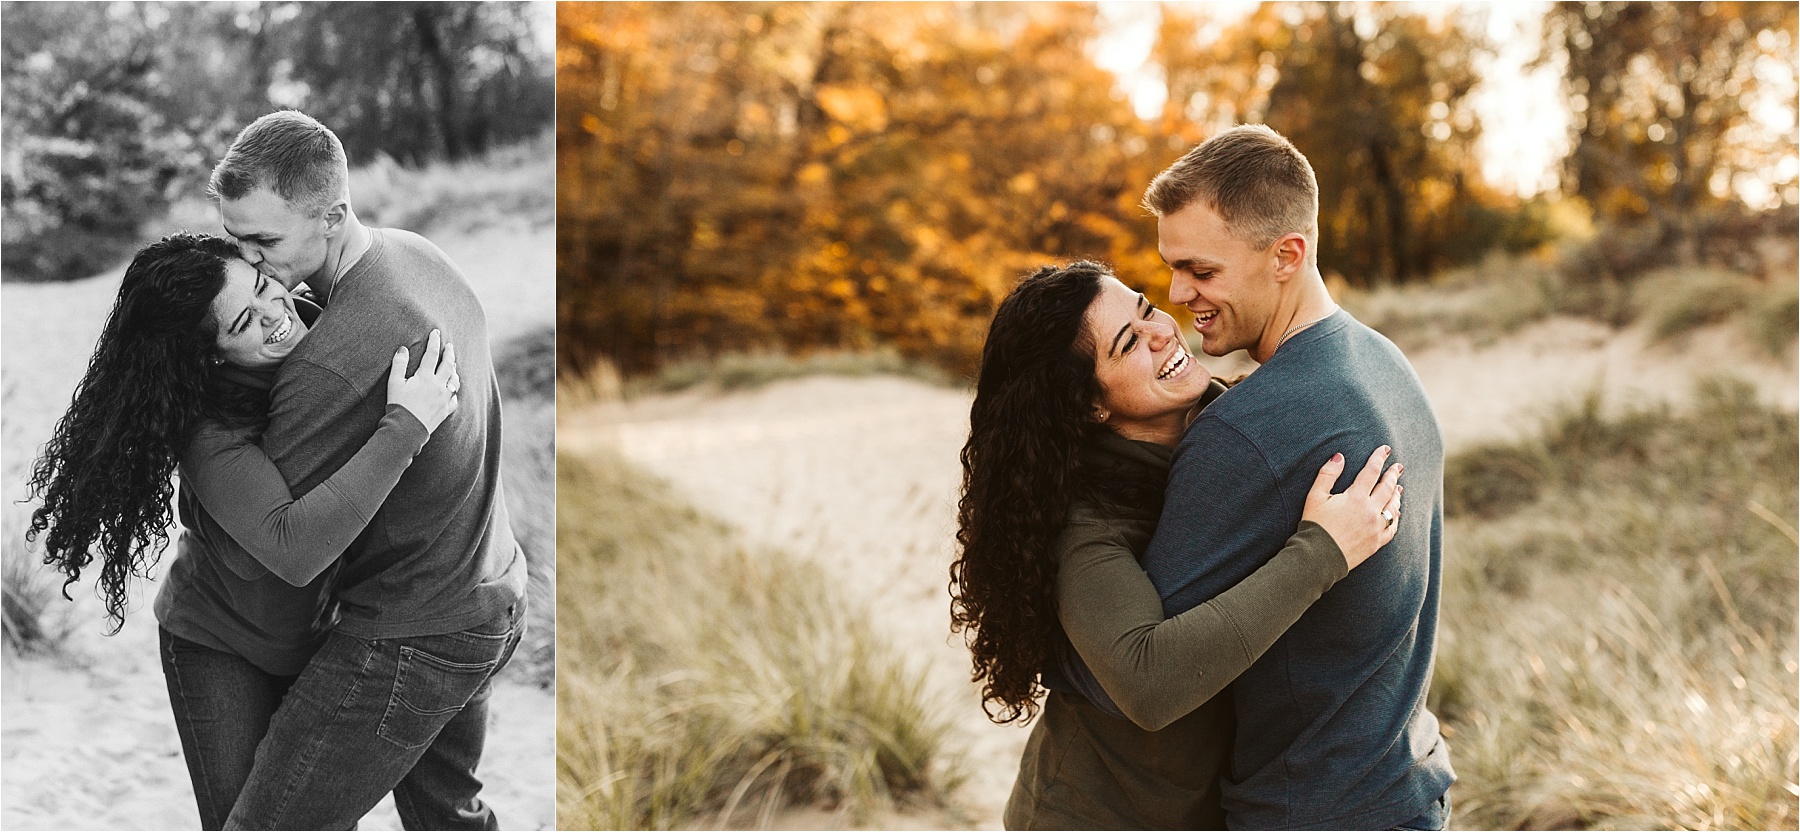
(1083, 392)
(181, 376)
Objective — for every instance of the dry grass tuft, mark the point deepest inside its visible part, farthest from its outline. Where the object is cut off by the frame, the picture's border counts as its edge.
(1484, 302)
(35, 617)
(703, 684)
(525, 368)
(1618, 639)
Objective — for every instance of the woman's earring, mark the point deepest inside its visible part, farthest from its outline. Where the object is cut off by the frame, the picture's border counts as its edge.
(1100, 414)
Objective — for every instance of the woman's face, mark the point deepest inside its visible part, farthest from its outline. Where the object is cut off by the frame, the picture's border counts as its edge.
(1147, 376)
(256, 319)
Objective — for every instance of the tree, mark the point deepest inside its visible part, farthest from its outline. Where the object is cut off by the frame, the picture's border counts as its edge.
(1661, 95)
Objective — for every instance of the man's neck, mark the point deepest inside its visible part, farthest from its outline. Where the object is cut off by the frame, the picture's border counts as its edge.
(1305, 303)
(341, 253)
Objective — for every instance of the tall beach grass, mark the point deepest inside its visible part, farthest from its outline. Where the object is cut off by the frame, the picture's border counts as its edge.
(701, 683)
(1619, 620)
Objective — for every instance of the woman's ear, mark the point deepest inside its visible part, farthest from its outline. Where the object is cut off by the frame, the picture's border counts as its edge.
(1099, 414)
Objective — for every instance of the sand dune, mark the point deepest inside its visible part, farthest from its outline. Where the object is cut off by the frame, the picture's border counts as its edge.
(861, 474)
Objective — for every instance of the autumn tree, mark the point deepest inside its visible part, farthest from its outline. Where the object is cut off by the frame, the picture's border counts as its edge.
(829, 175)
(1662, 96)
(114, 110)
(1375, 96)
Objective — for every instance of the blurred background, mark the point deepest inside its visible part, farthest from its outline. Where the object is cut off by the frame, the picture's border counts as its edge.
(113, 116)
(783, 228)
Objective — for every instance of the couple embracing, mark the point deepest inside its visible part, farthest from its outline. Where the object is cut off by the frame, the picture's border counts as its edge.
(1229, 636)
(346, 581)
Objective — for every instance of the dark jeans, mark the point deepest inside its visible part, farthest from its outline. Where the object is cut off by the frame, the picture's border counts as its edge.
(366, 717)
(222, 707)
(1435, 818)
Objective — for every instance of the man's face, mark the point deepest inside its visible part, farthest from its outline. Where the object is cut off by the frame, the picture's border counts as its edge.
(1228, 285)
(279, 239)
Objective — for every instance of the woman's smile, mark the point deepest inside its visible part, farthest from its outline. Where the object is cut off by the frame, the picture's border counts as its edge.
(1148, 378)
(1176, 365)
(255, 317)
(282, 330)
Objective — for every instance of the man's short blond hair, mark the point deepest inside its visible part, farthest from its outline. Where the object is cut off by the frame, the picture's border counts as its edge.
(291, 154)
(1252, 177)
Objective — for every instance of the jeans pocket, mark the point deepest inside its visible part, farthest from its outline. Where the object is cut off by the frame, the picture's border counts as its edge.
(428, 692)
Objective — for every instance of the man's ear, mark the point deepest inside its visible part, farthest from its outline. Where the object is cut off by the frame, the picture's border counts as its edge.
(1290, 255)
(334, 217)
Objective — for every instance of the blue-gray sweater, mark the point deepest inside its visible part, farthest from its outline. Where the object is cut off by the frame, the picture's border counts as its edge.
(1332, 726)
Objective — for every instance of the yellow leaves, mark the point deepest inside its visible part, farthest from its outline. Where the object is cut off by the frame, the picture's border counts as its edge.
(857, 108)
(814, 173)
(926, 239)
(1024, 183)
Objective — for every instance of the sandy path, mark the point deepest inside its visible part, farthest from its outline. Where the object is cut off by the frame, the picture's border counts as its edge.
(88, 739)
(862, 474)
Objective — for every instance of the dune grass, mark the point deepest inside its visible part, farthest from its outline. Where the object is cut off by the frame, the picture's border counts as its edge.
(525, 368)
(34, 618)
(510, 183)
(700, 683)
(1484, 302)
(744, 371)
(1505, 293)
(1619, 615)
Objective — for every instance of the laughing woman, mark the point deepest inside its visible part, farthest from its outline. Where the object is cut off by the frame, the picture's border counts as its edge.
(1084, 390)
(180, 378)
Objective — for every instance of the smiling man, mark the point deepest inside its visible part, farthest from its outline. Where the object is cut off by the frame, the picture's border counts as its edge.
(431, 596)
(1332, 731)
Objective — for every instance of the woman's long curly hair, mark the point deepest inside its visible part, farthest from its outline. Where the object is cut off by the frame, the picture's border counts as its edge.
(1021, 471)
(105, 475)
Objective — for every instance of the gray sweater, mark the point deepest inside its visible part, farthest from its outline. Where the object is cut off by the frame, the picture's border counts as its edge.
(1085, 768)
(1333, 731)
(440, 555)
(252, 570)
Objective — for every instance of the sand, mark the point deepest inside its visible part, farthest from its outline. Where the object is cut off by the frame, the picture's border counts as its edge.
(861, 474)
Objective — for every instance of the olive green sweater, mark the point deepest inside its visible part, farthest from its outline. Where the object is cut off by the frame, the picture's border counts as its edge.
(1086, 768)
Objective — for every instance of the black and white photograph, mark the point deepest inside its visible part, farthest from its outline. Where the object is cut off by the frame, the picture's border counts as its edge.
(279, 439)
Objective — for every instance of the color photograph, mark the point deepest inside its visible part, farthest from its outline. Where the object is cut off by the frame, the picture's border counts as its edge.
(279, 416)
(1112, 415)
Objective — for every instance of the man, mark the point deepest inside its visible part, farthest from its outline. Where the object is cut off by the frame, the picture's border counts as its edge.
(431, 595)
(1332, 726)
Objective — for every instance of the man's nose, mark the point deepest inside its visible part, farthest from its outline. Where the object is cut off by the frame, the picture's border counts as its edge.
(1181, 287)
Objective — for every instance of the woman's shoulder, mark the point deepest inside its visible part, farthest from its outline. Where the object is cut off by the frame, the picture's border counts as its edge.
(213, 437)
(1096, 523)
